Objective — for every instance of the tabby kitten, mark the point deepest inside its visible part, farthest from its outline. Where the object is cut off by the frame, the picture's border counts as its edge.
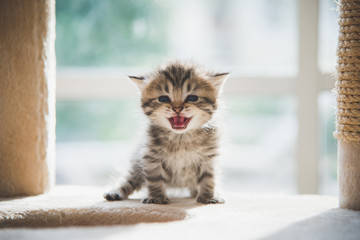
(180, 101)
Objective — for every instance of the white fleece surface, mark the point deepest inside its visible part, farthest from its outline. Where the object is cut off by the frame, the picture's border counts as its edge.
(243, 216)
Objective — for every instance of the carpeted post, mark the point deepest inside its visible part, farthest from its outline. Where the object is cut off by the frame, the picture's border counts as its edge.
(348, 104)
(27, 96)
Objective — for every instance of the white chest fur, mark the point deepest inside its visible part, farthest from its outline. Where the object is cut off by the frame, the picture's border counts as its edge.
(183, 165)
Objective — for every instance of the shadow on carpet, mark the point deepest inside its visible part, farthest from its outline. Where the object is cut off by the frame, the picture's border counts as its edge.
(81, 206)
(332, 224)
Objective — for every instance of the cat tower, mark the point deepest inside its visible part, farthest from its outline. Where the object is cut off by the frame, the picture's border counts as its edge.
(27, 97)
(348, 105)
(27, 146)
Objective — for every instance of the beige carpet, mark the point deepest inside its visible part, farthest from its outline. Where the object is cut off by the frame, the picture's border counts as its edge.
(244, 216)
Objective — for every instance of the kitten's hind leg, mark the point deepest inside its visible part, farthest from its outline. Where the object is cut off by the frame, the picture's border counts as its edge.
(134, 182)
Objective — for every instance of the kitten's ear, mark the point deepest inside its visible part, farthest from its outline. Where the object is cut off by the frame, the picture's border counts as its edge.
(139, 81)
(218, 80)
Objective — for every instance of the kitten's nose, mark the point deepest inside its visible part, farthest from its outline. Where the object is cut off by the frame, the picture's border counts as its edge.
(177, 109)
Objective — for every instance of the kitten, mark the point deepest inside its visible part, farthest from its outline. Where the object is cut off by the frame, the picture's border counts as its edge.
(180, 101)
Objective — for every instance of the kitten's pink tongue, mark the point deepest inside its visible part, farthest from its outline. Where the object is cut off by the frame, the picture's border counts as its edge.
(179, 121)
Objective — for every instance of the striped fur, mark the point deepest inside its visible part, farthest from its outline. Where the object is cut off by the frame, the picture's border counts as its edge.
(173, 156)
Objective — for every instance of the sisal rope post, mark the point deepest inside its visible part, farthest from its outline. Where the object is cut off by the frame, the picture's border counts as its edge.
(27, 97)
(348, 105)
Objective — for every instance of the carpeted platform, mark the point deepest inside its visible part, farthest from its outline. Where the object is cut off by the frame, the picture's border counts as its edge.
(244, 216)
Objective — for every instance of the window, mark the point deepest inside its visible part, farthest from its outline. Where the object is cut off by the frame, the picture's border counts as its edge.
(328, 35)
(98, 114)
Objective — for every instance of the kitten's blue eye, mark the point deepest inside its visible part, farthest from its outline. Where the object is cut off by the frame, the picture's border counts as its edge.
(164, 99)
(191, 98)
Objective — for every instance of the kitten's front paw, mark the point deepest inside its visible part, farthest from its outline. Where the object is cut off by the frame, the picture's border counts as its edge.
(156, 200)
(113, 196)
(213, 200)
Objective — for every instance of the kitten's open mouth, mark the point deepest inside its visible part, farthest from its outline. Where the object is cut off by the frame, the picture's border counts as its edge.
(179, 122)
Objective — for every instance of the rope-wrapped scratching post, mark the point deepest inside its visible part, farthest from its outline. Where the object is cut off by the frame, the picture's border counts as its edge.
(27, 97)
(348, 104)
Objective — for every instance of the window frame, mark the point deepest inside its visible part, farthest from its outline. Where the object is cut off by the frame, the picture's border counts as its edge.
(104, 83)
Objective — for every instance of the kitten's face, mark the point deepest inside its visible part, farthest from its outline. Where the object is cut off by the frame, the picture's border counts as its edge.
(178, 98)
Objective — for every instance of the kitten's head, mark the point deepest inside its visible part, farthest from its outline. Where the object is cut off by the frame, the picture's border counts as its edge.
(180, 97)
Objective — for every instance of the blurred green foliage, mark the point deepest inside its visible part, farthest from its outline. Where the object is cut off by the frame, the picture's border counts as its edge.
(97, 120)
(109, 32)
(259, 105)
